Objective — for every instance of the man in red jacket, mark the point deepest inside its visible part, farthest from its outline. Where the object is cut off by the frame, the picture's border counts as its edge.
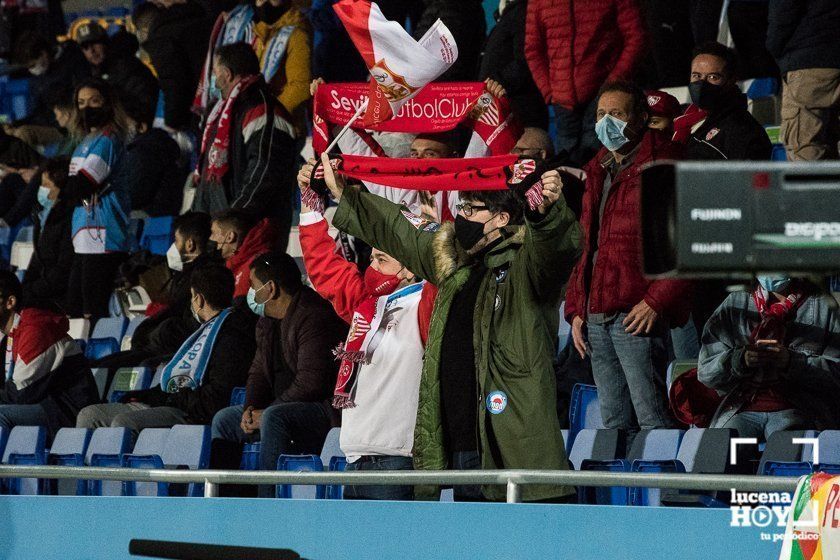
(239, 240)
(626, 315)
(572, 49)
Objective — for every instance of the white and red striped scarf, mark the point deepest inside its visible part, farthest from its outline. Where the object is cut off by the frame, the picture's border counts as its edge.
(216, 150)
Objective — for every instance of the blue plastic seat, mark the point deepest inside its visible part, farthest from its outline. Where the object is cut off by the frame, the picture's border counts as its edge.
(763, 87)
(597, 445)
(250, 456)
(779, 153)
(336, 491)
(147, 454)
(652, 451)
(300, 463)
(113, 327)
(97, 348)
(612, 495)
(781, 449)
(125, 343)
(188, 447)
(68, 449)
(114, 307)
(26, 445)
(106, 448)
(4, 436)
(129, 379)
(829, 456)
(157, 235)
(332, 455)
(584, 412)
(237, 396)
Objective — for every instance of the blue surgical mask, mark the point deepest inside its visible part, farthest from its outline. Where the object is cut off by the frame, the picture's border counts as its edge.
(44, 197)
(610, 132)
(774, 283)
(251, 298)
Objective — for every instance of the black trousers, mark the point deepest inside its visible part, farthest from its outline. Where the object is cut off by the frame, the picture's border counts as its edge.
(91, 284)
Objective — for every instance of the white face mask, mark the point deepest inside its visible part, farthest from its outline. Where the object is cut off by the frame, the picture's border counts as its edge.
(39, 69)
(173, 259)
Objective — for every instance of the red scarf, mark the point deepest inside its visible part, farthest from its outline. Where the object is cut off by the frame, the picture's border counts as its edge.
(218, 126)
(684, 124)
(352, 353)
(775, 315)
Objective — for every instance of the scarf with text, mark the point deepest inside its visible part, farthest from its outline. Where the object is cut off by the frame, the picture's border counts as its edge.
(186, 368)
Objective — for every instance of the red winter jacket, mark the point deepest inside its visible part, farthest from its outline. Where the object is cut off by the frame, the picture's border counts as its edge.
(574, 46)
(617, 284)
(340, 282)
(261, 239)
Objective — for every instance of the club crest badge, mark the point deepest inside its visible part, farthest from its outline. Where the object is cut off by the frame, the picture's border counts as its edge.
(496, 402)
(712, 133)
(485, 110)
(392, 85)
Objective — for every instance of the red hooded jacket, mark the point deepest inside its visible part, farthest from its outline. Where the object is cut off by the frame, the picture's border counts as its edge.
(261, 239)
(616, 283)
(574, 46)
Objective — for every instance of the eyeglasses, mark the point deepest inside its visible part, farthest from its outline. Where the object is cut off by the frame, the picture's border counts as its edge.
(469, 209)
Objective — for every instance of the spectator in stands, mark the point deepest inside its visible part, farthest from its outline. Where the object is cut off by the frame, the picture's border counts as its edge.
(291, 380)
(248, 152)
(18, 163)
(802, 36)
(47, 380)
(618, 316)
(136, 86)
(282, 41)
(572, 49)
(496, 264)
(663, 108)
(774, 357)
(45, 280)
(102, 204)
(53, 69)
(154, 172)
(465, 19)
(199, 379)
(175, 33)
(239, 240)
(63, 107)
(378, 432)
(717, 125)
(504, 61)
(160, 335)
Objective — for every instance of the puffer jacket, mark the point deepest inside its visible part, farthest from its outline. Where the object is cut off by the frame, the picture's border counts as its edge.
(616, 282)
(574, 46)
(514, 331)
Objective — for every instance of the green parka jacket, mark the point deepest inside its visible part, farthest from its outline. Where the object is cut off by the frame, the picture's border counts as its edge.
(515, 330)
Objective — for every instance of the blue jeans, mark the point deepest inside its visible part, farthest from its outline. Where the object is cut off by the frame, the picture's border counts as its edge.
(685, 342)
(629, 372)
(466, 461)
(12, 415)
(380, 463)
(760, 425)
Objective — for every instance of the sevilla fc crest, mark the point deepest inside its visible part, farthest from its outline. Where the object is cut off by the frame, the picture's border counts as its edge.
(485, 110)
(712, 133)
(359, 327)
(392, 85)
(521, 169)
(653, 100)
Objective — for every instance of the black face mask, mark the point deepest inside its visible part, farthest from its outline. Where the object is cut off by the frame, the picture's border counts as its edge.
(707, 96)
(95, 117)
(468, 233)
(269, 13)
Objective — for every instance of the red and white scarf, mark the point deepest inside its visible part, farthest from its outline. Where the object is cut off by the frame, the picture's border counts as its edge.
(366, 328)
(683, 124)
(216, 150)
(774, 314)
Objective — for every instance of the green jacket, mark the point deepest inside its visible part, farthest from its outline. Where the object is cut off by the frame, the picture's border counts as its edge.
(515, 330)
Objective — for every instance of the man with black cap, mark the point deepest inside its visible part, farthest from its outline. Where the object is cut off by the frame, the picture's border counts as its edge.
(136, 86)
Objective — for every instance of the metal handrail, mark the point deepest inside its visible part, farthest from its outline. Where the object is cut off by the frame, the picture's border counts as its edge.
(512, 479)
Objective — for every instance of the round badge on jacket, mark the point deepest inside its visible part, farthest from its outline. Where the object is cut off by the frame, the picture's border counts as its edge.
(496, 402)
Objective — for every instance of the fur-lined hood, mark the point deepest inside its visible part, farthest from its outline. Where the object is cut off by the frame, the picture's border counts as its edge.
(449, 256)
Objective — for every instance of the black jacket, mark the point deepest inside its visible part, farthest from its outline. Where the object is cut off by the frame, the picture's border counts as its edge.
(730, 133)
(262, 157)
(307, 367)
(803, 34)
(504, 61)
(177, 45)
(136, 86)
(153, 173)
(66, 70)
(46, 279)
(227, 368)
(17, 153)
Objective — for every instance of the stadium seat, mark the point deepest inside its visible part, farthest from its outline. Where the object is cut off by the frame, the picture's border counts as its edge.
(778, 153)
(129, 379)
(129, 332)
(188, 447)
(237, 396)
(20, 254)
(16, 100)
(105, 450)
(597, 445)
(783, 457)
(79, 329)
(68, 449)
(4, 436)
(113, 327)
(300, 463)
(147, 454)
(332, 455)
(829, 456)
(447, 495)
(763, 87)
(157, 235)
(97, 348)
(114, 307)
(584, 411)
(25, 446)
(100, 376)
(651, 449)
(250, 457)
(157, 376)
